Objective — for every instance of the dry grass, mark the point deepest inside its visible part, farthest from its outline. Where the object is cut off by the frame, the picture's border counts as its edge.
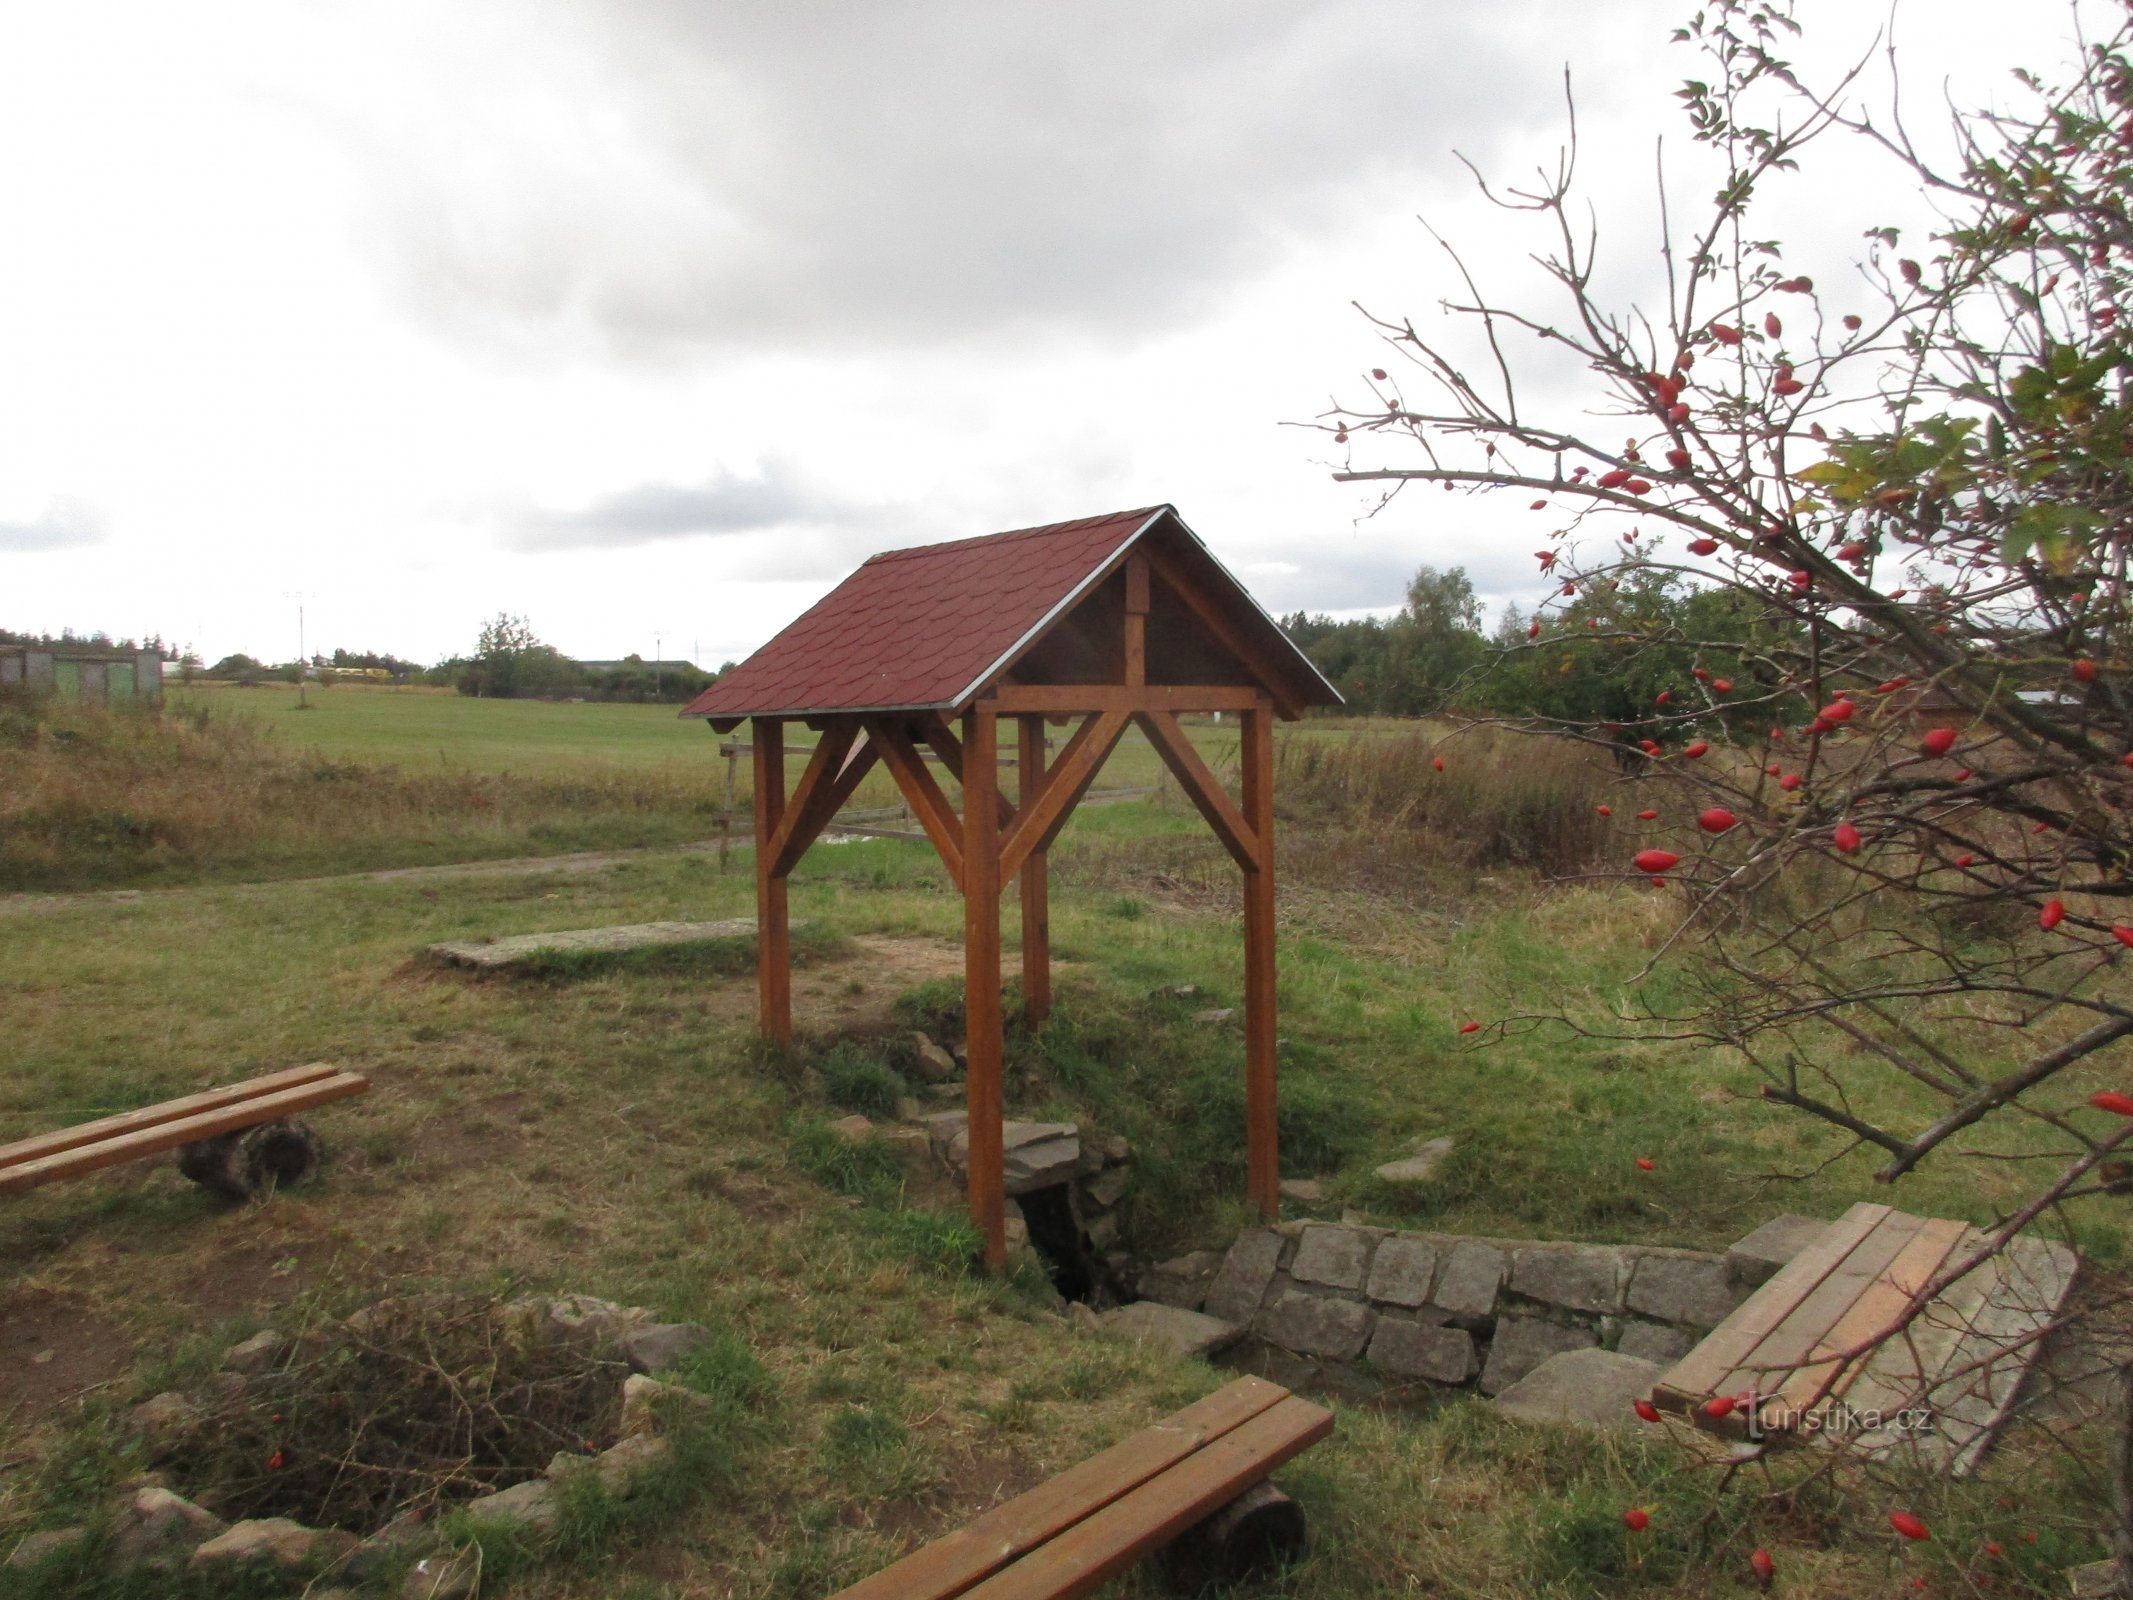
(1498, 799)
(90, 796)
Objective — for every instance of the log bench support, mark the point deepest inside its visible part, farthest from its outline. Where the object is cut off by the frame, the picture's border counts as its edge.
(234, 1139)
(1198, 1478)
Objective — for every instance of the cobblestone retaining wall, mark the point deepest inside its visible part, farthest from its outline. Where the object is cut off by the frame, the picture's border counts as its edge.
(1449, 1308)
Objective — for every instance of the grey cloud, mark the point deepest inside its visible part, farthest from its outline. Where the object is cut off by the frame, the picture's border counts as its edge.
(650, 512)
(64, 524)
(1328, 580)
(937, 170)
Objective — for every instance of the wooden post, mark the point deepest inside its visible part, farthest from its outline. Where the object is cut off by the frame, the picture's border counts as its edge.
(773, 932)
(1263, 1151)
(981, 977)
(1036, 891)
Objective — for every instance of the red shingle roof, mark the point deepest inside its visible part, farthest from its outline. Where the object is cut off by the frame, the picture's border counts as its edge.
(920, 627)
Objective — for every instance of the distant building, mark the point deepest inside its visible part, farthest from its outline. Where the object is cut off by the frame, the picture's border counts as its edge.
(83, 672)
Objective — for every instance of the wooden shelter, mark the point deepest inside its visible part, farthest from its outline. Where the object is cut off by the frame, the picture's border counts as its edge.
(1105, 622)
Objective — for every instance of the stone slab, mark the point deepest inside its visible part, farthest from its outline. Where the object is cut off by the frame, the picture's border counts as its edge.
(1652, 1341)
(1241, 1283)
(1684, 1289)
(1183, 1280)
(2099, 1580)
(1420, 1167)
(1418, 1350)
(1584, 1388)
(489, 954)
(1469, 1279)
(1575, 1277)
(1754, 1260)
(1402, 1271)
(1523, 1343)
(1185, 1333)
(530, 1504)
(1335, 1257)
(1317, 1325)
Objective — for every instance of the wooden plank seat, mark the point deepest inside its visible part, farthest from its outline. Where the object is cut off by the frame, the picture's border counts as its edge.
(1808, 1353)
(1067, 1536)
(194, 1119)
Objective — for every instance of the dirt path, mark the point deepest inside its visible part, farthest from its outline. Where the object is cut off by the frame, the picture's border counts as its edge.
(502, 867)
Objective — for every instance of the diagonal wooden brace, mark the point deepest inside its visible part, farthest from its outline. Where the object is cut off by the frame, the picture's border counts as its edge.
(1038, 822)
(1202, 787)
(833, 772)
(927, 801)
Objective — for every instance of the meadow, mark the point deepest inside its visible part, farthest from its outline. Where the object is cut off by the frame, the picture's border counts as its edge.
(613, 1128)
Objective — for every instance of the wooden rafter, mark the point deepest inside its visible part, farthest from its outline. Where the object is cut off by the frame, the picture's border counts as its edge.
(841, 759)
(924, 796)
(1037, 822)
(1216, 622)
(1201, 787)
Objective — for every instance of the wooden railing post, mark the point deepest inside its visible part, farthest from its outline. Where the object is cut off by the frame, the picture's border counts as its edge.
(1036, 889)
(1263, 1152)
(773, 931)
(981, 978)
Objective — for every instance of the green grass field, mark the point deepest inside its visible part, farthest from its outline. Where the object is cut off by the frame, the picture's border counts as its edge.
(441, 730)
(614, 1128)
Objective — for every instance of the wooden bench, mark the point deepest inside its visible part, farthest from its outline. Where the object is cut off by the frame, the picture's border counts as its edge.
(1938, 1391)
(1090, 1523)
(209, 1128)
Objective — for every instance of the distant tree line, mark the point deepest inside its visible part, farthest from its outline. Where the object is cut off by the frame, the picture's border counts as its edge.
(99, 640)
(509, 662)
(1605, 655)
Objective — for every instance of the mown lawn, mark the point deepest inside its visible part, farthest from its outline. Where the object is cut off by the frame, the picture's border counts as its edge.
(614, 1130)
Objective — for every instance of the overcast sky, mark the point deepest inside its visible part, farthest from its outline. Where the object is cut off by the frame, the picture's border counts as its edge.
(650, 319)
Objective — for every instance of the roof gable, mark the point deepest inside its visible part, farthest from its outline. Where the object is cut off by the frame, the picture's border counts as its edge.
(928, 627)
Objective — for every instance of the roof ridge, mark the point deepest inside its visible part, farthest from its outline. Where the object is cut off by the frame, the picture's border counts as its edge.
(1076, 525)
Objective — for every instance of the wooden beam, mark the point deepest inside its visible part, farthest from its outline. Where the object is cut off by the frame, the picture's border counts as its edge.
(773, 945)
(824, 786)
(1036, 887)
(924, 796)
(1038, 823)
(1218, 623)
(1050, 699)
(162, 1136)
(1261, 1096)
(981, 983)
(81, 1133)
(1201, 786)
(1136, 635)
(947, 749)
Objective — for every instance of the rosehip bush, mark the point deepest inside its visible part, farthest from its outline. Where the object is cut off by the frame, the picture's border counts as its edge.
(1899, 487)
